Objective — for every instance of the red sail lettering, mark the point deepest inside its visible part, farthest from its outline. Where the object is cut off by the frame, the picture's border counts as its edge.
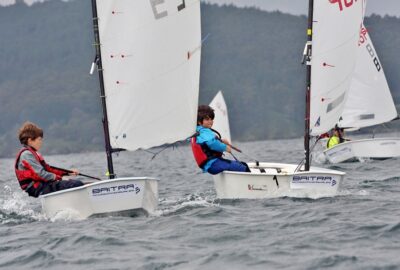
(348, 3)
(339, 2)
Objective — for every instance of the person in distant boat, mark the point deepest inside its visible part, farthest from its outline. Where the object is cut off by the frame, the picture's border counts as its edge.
(208, 146)
(336, 138)
(34, 175)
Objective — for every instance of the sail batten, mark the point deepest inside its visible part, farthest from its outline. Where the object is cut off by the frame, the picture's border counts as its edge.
(151, 59)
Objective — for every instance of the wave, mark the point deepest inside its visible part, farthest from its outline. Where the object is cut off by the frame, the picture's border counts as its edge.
(17, 208)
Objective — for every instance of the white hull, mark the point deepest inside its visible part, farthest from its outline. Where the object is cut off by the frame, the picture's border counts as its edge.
(115, 196)
(376, 148)
(278, 180)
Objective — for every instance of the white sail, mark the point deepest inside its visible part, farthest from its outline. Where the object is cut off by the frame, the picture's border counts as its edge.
(369, 100)
(221, 120)
(151, 59)
(336, 28)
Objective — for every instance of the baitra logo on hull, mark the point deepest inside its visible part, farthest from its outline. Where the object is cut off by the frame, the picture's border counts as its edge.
(115, 190)
(311, 179)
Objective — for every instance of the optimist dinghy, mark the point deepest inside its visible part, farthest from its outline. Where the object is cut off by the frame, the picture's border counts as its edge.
(148, 61)
(369, 103)
(330, 53)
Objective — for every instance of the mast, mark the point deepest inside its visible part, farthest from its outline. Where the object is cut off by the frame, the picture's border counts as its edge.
(308, 85)
(102, 91)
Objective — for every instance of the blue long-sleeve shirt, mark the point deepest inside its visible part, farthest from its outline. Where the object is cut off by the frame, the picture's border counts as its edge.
(208, 137)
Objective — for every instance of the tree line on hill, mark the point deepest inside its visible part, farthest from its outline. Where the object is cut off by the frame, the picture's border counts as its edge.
(253, 56)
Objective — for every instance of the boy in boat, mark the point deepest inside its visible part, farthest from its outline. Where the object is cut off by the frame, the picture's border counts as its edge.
(34, 175)
(208, 147)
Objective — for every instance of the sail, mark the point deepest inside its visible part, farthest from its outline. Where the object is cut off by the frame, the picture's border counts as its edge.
(369, 100)
(336, 28)
(150, 53)
(221, 120)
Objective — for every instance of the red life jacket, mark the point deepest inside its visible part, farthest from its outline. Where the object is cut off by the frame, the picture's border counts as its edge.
(27, 176)
(202, 153)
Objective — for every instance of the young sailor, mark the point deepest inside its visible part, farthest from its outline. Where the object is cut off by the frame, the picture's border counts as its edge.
(34, 175)
(208, 147)
(336, 138)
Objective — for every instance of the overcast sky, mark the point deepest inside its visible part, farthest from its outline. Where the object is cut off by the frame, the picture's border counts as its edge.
(382, 7)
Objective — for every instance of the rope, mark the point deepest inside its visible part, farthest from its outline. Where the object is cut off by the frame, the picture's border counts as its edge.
(303, 160)
(173, 145)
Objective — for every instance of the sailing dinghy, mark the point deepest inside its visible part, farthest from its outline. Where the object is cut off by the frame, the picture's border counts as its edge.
(369, 103)
(148, 61)
(330, 54)
(221, 120)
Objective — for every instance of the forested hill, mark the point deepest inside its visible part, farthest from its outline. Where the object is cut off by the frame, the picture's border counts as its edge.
(252, 55)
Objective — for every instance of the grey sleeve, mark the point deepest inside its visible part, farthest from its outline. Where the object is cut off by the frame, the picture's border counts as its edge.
(37, 167)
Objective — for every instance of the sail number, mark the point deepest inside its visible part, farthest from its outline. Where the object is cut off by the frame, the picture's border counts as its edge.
(371, 52)
(161, 14)
(346, 3)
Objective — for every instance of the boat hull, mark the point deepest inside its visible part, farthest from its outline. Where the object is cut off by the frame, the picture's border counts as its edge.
(125, 196)
(269, 180)
(375, 148)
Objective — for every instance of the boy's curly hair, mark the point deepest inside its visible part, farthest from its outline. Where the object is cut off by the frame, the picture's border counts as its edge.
(203, 112)
(29, 131)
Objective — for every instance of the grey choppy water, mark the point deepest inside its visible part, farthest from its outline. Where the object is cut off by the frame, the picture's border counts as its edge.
(359, 229)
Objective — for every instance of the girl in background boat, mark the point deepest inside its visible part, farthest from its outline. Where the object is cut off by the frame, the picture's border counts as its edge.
(336, 138)
(34, 175)
(208, 146)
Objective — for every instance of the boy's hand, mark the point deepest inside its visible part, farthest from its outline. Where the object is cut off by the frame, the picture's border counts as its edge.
(228, 148)
(225, 141)
(75, 172)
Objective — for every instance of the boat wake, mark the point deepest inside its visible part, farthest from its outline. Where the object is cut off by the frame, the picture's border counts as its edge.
(66, 215)
(168, 207)
(319, 158)
(16, 208)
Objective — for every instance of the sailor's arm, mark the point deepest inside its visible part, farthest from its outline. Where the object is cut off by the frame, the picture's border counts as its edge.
(36, 166)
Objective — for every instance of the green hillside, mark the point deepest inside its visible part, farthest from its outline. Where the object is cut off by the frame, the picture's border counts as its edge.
(251, 55)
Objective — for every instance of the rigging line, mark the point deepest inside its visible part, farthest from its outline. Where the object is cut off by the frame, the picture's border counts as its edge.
(234, 156)
(237, 150)
(153, 157)
(148, 151)
(205, 38)
(311, 150)
(250, 157)
(173, 145)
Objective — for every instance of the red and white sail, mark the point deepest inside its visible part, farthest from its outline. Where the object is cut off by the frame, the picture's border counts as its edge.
(369, 100)
(336, 29)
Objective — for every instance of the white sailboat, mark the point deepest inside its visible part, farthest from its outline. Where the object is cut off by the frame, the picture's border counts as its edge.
(221, 120)
(369, 103)
(148, 60)
(330, 53)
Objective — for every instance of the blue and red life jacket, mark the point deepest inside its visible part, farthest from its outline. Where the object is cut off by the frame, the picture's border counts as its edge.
(29, 177)
(202, 153)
